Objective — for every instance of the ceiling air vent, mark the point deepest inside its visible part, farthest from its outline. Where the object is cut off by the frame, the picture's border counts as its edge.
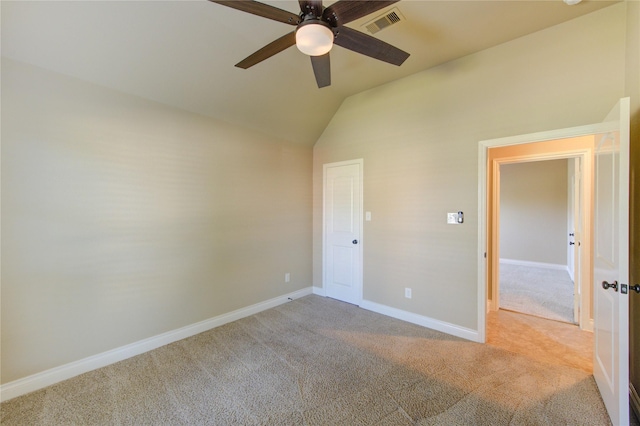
(381, 22)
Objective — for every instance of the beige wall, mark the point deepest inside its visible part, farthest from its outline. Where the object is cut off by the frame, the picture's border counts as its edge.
(123, 219)
(533, 211)
(419, 140)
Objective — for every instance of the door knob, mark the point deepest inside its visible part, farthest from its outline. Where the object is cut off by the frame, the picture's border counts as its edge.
(355, 241)
(635, 288)
(613, 285)
(571, 243)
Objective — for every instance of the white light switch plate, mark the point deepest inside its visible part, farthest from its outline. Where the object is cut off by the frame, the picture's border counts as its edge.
(452, 218)
(367, 216)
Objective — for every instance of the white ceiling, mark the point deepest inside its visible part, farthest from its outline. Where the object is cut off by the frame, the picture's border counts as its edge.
(182, 53)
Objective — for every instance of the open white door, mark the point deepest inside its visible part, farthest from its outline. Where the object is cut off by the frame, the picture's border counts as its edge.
(611, 263)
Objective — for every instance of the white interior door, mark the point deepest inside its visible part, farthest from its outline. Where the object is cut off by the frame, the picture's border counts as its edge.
(571, 215)
(611, 263)
(342, 231)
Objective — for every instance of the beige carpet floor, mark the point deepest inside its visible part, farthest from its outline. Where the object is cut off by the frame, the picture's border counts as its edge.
(317, 361)
(543, 292)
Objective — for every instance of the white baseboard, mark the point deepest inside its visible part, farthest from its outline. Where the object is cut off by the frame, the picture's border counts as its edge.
(57, 374)
(589, 326)
(634, 398)
(319, 291)
(534, 264)
(431, 323)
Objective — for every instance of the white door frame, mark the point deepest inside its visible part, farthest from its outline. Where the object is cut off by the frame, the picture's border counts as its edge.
(360, 285)
(483, 149)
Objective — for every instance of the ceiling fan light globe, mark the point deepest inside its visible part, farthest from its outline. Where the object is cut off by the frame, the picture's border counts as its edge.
(314, 39)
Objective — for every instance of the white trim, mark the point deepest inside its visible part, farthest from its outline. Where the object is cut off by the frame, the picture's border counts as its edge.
(570, 132)
(434, 324)
(483, 295)
(72, 369)
(319, 291)
(527, 263)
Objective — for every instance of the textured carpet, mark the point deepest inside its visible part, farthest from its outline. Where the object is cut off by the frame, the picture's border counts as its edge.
(543, 292)
(317, 361)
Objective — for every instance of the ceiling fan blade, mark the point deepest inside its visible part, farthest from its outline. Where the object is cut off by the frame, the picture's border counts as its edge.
(269, 50)
(322, 69)
(370, 46)
(345, 11)
(261, 9)
(311, 6)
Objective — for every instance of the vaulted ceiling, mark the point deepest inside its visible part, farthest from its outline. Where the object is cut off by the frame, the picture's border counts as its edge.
(182, 53)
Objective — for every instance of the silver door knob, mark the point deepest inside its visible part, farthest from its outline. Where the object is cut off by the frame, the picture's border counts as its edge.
(355, 241)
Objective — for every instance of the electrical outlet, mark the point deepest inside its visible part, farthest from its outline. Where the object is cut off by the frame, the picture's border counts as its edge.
(287, 277)
(407, 293)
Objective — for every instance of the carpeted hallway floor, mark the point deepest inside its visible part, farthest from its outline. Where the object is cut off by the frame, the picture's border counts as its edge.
(543, 292)
(317, 361)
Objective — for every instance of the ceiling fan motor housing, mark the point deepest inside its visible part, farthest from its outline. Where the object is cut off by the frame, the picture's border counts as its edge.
(314, 37)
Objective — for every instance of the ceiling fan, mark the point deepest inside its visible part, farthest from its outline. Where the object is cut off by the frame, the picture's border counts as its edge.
(318, 28)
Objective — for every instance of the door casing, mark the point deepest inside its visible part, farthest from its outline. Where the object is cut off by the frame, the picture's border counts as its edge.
(577, 147)
(485, 231)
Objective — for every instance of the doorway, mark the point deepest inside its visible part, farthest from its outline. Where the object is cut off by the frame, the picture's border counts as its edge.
(537, 224)
(574, 147)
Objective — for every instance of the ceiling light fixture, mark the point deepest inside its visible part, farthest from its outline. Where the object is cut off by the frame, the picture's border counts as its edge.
(314, 38)
(572, 2)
